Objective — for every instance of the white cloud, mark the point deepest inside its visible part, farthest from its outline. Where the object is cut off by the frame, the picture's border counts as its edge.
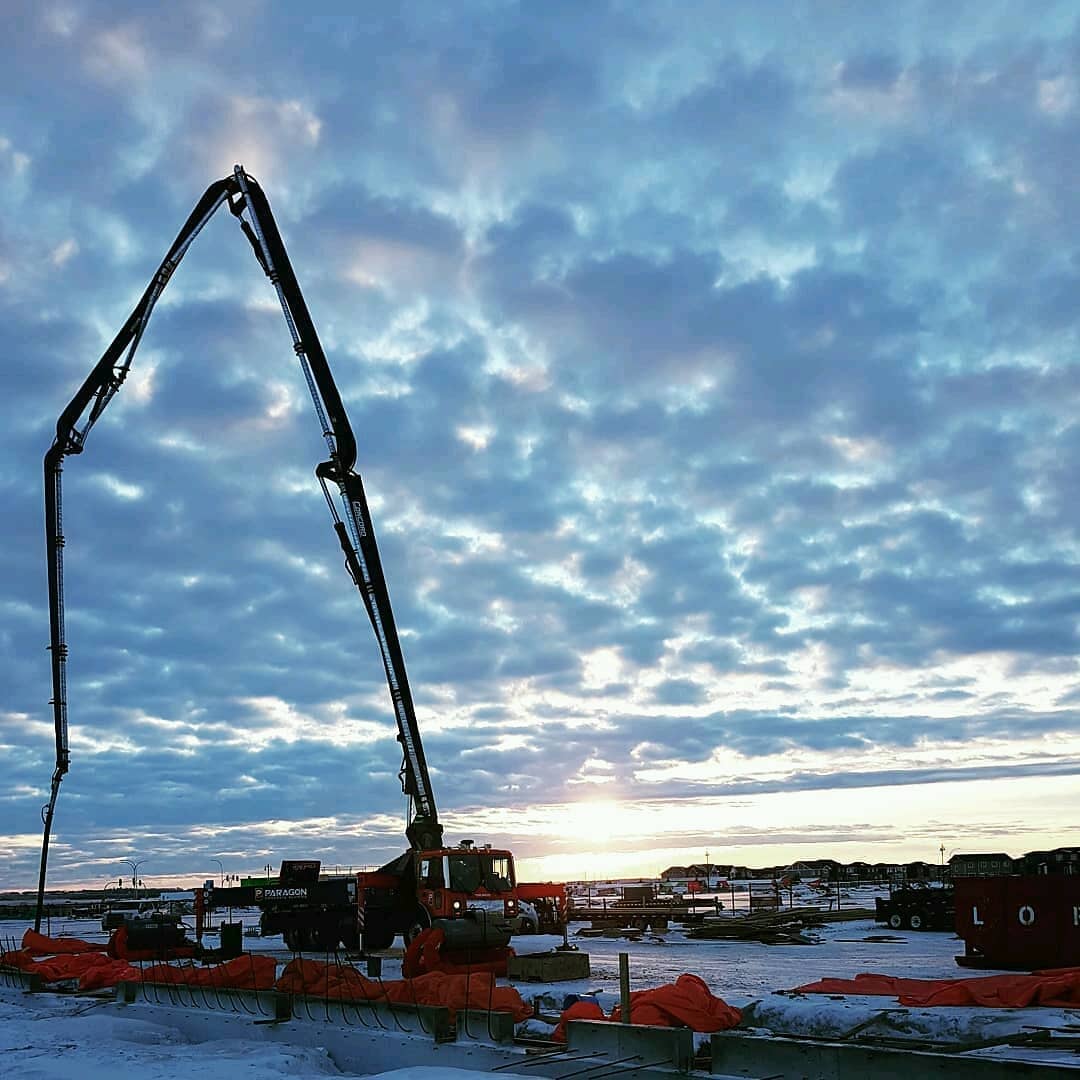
(1056, 96)
(118, 488)
(64, 251)
(118, 55)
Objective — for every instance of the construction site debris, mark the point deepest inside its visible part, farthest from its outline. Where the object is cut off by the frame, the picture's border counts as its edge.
(786, 927)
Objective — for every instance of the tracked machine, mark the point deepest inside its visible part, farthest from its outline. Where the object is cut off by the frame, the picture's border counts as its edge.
(470, 891)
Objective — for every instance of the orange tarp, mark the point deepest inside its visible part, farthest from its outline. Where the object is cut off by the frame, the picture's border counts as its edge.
(108, 974)
(248, 972)
(426, 954)
(1059, 988)
(93, 970)
(580, 1010)
(687, 1002)
(454, 991)
(476, 990)
(327, 981)
(18, 958)
(41, 945)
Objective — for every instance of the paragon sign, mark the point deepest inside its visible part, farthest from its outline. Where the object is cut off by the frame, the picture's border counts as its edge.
(281, 894)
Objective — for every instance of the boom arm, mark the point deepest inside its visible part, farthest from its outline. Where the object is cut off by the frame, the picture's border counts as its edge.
(353, 526)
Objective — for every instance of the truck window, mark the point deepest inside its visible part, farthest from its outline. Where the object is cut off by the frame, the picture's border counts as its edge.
(496, 873)
(431, 873)
(464, 873)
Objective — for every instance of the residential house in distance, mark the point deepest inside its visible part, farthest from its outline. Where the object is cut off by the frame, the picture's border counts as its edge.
(814, 870)
(1063, 860)
(702, 876)
(923, 871)
(981, 864)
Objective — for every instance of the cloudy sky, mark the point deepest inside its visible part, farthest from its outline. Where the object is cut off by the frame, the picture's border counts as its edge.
(715, 380)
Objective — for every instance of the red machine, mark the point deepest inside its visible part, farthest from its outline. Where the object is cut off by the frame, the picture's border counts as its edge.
(551, 901)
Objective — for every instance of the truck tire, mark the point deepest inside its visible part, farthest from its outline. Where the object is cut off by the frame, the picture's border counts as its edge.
(376, 939)
(420, 922)
(295, 939)
(917, 920)
(325, 938)
(896, 921)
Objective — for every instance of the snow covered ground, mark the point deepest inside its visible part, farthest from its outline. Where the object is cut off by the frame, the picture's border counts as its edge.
(46, 1036)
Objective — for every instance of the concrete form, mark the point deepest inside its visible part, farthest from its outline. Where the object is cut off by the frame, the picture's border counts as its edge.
(370, 1037)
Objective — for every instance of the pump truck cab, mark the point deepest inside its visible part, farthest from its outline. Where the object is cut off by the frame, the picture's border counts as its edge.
(471, 888)
(468, 892)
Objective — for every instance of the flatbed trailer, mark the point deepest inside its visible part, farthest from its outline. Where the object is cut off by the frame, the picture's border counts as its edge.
(917, 907)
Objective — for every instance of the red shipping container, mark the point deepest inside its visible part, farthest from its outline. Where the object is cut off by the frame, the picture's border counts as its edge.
(1019, 923)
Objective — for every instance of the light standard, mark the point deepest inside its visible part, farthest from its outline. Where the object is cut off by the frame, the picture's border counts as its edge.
(110, 883)
(135, 864)
(221, 870)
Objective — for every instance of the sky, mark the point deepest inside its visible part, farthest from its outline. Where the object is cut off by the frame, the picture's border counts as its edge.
(714, 375)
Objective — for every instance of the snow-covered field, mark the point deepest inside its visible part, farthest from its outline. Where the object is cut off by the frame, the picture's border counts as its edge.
(46, 1036)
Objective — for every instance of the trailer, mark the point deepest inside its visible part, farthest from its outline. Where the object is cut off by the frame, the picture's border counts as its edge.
(917, 906)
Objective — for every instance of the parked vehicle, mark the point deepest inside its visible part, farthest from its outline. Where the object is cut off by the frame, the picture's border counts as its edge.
(528, 920)
(122, 911)
(918, 906)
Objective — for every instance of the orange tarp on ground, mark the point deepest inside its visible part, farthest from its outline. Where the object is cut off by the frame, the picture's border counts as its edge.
(327, 981)
(18, 958)
(426, 953)
(1059, 988)
(248, 972)
(477, 990)
(108, 974)
(40, 945)
(95, 971)
(58, 968)
(92, 969)
(474, 991)
(580, 1010)
(685, 1003)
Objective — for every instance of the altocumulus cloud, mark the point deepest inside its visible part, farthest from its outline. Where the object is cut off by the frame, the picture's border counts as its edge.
(714, 376)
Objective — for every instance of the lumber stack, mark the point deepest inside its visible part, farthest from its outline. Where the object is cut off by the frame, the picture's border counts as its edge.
(786, 927)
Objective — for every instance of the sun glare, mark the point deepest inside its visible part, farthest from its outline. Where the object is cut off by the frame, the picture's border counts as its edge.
(596, 821)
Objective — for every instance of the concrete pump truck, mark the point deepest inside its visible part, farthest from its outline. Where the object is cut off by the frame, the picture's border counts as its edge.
(469, 891)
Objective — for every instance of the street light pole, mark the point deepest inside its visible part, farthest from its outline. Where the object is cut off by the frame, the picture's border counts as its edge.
(221, 871)
(135, 864)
